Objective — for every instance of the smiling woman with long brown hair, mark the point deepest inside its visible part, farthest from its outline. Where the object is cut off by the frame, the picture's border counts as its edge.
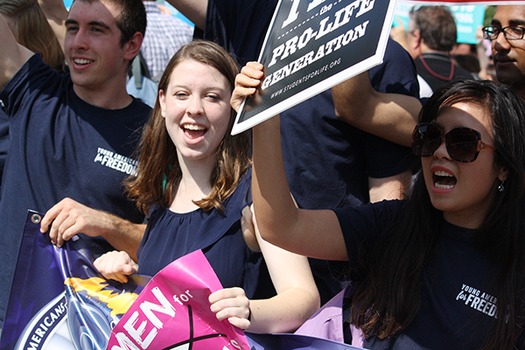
(194, 182)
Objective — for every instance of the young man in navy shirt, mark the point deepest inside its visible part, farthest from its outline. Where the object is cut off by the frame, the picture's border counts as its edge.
(72, 135)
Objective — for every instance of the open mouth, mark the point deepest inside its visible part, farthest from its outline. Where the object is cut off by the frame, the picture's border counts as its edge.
(194, 130)
(443, 180)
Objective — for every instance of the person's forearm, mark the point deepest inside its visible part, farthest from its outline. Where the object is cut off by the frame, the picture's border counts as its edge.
(273, 203)
(194, 10)
(394, 118)
(283, 313)
(56, 14)
(12, 54)
(386, 115)
(124, 235)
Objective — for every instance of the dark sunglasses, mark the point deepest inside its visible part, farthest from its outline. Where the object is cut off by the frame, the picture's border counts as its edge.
(463, 144)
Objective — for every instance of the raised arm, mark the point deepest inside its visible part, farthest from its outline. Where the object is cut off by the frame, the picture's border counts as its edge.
(313, 233)
(12, 55)
(56, 14)
(194, 10)
(387, 115)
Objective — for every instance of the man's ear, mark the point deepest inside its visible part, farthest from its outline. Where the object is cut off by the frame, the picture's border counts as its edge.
(132, 47)
(417, 38)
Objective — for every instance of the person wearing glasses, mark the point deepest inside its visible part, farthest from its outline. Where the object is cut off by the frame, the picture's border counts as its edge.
(508, 49)
(443, 269)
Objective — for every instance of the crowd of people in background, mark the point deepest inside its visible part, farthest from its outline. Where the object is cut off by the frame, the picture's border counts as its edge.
(402, 188)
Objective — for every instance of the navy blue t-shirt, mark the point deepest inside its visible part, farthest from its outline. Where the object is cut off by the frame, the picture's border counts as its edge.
(458, 303)
(61, 147)
(327, 161)
(171, 235)
(4, 140)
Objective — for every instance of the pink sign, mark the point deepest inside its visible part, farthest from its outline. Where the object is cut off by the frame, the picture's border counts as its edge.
(173, 312)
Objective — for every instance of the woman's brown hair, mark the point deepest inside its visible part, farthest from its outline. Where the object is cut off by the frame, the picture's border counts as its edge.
(159, 172)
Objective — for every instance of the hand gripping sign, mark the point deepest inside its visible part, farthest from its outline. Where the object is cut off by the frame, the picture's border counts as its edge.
(313, 45)
(173, 312)
(60, 301)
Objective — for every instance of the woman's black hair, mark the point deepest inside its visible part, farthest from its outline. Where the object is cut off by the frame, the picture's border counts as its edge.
(387, 300)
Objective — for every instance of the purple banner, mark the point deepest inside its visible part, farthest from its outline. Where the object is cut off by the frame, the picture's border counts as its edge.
(58, 299)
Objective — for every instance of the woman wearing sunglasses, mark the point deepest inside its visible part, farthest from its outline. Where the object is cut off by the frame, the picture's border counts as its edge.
(443, 269)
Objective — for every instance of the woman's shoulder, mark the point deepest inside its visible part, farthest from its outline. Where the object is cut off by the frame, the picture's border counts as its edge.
(242, 196)
(384, 208)
(370, 216)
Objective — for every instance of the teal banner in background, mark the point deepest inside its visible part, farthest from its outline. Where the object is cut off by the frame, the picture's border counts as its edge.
(468, 19)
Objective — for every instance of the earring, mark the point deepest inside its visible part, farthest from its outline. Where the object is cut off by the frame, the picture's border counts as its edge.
(501, 186)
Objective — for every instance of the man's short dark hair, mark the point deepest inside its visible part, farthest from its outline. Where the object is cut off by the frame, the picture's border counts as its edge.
(436, 25)
(132, 17)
